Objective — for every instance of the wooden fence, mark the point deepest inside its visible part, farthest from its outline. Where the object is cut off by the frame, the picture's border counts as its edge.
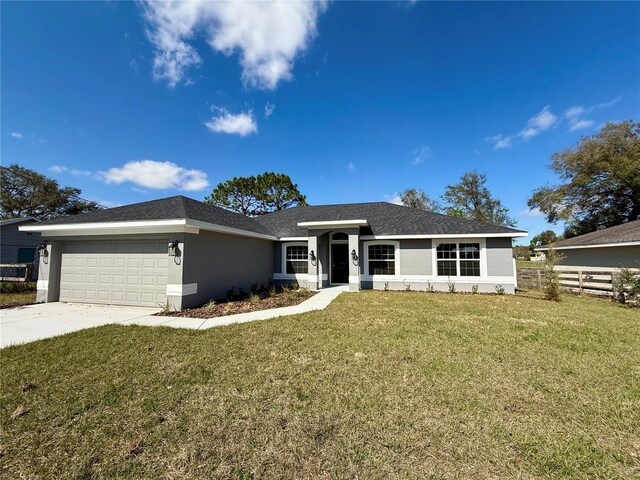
(588, 280)
(15, 272)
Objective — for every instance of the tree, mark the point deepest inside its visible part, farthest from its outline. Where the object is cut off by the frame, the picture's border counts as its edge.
(257, 195)
(25, 192)
(471, 199)
(521, 252)
(544, 238)
(415, 198)
(601, 181)
(550, 277)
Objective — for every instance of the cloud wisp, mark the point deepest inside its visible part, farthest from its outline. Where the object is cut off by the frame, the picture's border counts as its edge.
(73, 171)
(267, 36)
(243, 123)
(268, 109)
(156, 175)
(542, 121)
(421, 154)
(575, 115)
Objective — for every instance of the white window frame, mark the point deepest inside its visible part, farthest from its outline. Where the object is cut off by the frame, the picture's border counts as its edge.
(284, 274)
(396, 248)
(458, 241)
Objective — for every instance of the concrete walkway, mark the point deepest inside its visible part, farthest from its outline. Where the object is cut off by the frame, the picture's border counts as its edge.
(45, 320)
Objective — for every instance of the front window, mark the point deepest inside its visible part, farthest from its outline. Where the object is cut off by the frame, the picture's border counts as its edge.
(296, 259)
(382, 259)
(458, 258)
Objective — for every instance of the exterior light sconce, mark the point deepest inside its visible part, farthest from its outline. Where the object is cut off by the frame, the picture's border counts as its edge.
(312, 257)
(354, 256)
(174, 251)
(42, 250)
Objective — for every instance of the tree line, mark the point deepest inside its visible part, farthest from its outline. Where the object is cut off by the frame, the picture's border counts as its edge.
(599, 188)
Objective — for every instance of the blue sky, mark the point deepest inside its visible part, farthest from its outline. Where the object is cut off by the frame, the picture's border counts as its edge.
(355, 101)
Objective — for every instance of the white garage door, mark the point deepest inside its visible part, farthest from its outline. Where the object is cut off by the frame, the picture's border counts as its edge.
(114, 272)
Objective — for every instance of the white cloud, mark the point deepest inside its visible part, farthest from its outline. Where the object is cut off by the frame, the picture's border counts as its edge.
(17, 135)
(395, 198)
(73, 171)
(535, 212)
(267, 35)
(351, 167)
(537, 124)
(499, 141)
(157, 175)
(421, 154)
(240, 124)
(578, 124)
(575, 115)
(574, 112)
(268, 109)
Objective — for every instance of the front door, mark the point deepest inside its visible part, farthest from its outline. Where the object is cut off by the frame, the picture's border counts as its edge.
(339, 263)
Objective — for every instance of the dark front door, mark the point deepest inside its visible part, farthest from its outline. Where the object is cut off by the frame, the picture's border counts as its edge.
(339, 263)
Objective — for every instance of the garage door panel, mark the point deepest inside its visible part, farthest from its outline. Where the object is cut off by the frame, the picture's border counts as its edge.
(123, 272)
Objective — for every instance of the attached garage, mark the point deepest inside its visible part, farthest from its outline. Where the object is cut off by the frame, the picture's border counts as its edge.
(123, 272)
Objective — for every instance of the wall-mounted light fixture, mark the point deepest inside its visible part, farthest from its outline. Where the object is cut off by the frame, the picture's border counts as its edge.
(173, 248)
(42, 250)
(354, 256)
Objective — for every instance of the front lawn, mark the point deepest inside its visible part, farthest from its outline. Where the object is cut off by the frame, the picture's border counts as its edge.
(378, 385)
(16, 299)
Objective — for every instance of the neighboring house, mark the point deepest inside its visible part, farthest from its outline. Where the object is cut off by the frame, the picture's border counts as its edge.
(186, 252)
(538, 257)
(17, 246)
(613, 247)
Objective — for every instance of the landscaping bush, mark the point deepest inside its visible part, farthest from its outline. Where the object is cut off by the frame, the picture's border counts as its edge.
(17, 287)
(550, 278)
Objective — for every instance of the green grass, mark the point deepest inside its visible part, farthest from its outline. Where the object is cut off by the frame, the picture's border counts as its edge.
(22, 298)
(379, 385)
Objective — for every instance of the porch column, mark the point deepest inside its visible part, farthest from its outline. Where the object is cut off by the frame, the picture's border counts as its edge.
(313, 264)
(49, 274)
(354, 266)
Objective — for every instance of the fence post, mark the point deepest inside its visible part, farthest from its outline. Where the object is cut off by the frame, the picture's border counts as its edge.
(580, 280)
(539, 279)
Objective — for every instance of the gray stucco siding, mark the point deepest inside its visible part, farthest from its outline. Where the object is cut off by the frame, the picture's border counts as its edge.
(499, 257)
(614, 257)
(415, 257)
(217, 262)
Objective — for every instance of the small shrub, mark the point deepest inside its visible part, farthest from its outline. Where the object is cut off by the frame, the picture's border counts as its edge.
(550, 278)
(211, 304)
(474, 289)
(273, 291)
(430, 288)
(386, 286)
(228, 309)
(165, 308)
(254, 298)
(626, 284)
(499, 289)
(452, 286)
(407, 286)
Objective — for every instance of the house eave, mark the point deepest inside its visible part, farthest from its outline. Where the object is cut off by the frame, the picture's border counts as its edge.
(334, 224)
(445, 235)
(598, 245)
(137, 227)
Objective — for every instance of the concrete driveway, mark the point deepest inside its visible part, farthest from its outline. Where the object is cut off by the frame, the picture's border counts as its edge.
(44, 320)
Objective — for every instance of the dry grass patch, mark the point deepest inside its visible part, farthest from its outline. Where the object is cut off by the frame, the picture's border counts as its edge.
(378, 385)
(8, 300)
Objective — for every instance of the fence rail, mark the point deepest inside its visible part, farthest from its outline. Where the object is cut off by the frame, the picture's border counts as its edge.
(598, 281)
(11, 272)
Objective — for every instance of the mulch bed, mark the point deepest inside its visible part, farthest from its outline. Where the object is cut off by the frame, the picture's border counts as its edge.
(261, 301)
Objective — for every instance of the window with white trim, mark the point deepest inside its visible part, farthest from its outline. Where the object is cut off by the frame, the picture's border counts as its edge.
(382, 259)
(296, 259)
(458, 259)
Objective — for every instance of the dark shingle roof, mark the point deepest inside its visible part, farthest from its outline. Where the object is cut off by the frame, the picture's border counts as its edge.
(627, 232)
(384, 219)
(166, 209)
